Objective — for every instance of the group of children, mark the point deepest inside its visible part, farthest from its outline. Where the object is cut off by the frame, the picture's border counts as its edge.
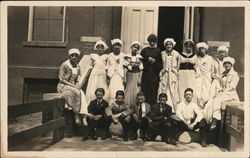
(157, 91)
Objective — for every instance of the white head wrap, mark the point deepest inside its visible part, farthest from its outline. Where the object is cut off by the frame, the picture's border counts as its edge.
(169, 40)
(202, 44)
(116, 40)
(136, 42)
(73, 50)
(229, 59)
(100, 42)
(189, 40)
(222, 48)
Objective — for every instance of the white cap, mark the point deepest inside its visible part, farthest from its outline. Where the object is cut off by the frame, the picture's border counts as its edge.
(229, 59)
(73, 51)
(136, 42)
(116, 40)
(202, 44)
(222, 48)
(100, 42)
(169, 40)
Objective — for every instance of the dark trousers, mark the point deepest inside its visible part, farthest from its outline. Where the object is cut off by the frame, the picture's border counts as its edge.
(97, 126)
(202, 125)
(164, 128)
(141, 124)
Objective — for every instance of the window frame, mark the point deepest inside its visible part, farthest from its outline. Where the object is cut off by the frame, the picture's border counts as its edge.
(31, 42)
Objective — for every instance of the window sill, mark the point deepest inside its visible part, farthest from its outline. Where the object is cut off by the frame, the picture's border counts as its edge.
(44, 44)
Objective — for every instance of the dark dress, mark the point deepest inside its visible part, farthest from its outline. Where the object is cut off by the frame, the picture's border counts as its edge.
(98, 108)
(161, 122)
(150, 74)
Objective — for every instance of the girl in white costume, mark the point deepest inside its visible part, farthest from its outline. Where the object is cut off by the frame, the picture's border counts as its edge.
(98, 76)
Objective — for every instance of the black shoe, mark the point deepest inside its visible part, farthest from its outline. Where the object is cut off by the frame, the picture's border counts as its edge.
(125, 138)
(173, 141)
(94, 137)
(168, 140)
(150, 139)
(104, 137)
(134, 137)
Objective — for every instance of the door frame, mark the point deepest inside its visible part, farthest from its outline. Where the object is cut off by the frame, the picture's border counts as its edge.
(188, 29)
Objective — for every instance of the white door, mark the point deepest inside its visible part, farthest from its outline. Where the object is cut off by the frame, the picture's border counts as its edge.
(137, 24)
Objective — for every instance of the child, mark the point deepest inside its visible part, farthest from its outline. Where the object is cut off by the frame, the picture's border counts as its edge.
(161, 121)
(115, 66)
(118, 111)
(98, 76)
(98, 122)
(152, 64)
(169, 74)
(141, 116)
(134, 68)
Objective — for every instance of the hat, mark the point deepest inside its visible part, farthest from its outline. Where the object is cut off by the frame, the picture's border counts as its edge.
(73, 51)
(222, 48)
(100, 42)
(136, 42)
(189, 40)
(202, 44)
(116, 40)
(152, 37)
(169, 40)
(228, 59)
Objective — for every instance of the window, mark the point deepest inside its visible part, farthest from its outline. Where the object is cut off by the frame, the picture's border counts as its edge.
(46, 26)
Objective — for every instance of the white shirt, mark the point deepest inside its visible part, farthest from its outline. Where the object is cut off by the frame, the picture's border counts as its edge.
(186, 111)
(143, 108)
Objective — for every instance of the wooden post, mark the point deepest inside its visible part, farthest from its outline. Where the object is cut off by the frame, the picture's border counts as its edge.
(58, 134)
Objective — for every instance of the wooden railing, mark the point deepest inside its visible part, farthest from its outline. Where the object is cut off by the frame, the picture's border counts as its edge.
(56, 124)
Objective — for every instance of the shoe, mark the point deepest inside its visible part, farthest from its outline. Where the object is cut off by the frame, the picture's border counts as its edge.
(104, 137)
(203, 143)
(94, 137)
(133, 138)
(149, 139)
(125, 138)
(168, 140)
(173, 141)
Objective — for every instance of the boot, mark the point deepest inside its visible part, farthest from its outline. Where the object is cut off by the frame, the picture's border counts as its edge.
(203, 134)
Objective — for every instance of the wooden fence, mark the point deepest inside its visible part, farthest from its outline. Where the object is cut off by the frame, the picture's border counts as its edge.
(56, 124)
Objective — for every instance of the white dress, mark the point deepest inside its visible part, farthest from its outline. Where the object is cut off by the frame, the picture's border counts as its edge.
(204, 70)
(229, 84)
(187, 64)
(115, 72)
(98, 76)
(169, 81)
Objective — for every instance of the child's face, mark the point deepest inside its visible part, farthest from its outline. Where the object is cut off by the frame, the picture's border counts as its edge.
(202, 51)
(169, 46)
(100, 49)
(99, 95)
(152, 43)
(162, 100)
(117, 47)
(188, 48)
(135, 48)
(188, 96)
(120, 99)
(227, 66)
(140, 99)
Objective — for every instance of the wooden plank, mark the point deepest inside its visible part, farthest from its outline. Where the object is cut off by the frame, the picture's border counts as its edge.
(34, 132)
(58, 133)
(235, 111)
(24, 109)
(235, 133)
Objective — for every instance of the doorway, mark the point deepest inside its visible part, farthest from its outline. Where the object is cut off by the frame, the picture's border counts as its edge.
(170, 25)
